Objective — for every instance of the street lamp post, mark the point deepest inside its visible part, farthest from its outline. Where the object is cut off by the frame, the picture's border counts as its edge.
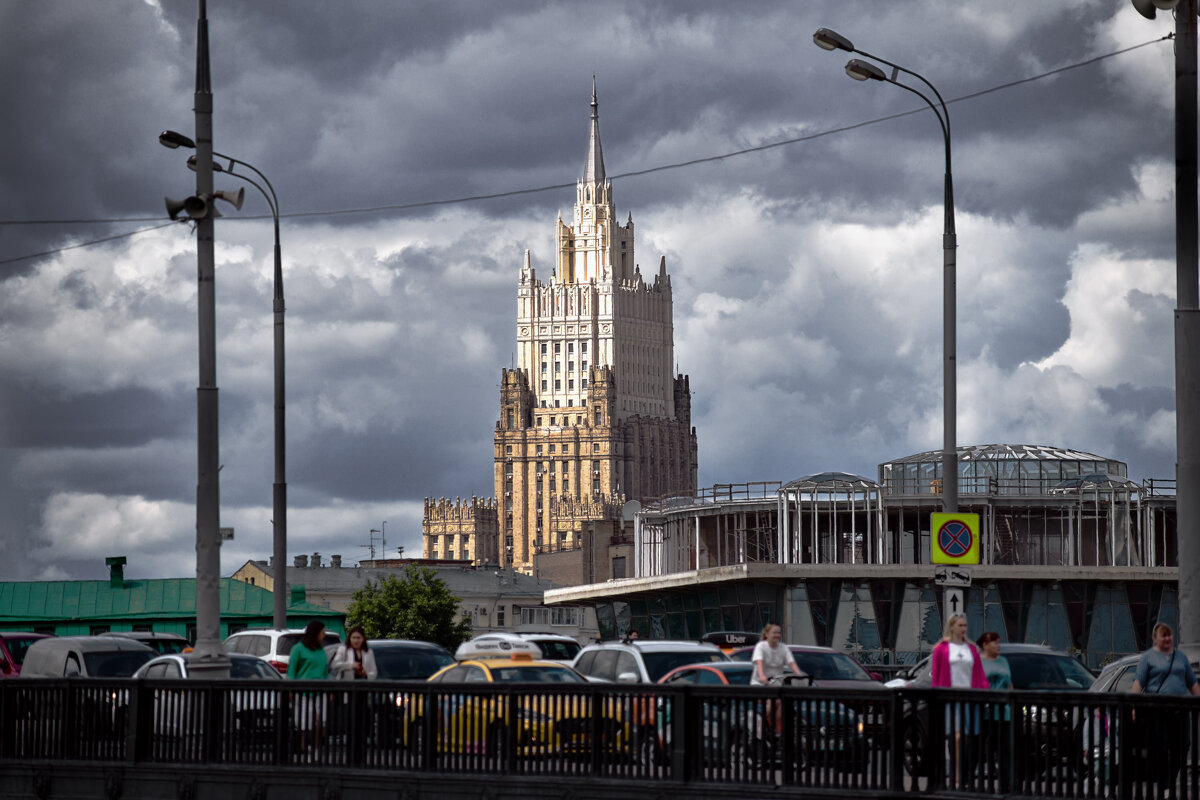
(862, 70)
(1187, 319)
(279, 489)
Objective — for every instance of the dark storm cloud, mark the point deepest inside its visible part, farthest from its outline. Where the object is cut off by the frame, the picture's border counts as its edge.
(806, 276)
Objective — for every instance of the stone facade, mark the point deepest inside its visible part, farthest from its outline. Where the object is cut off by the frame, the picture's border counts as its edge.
(592, 416)
(461, 530)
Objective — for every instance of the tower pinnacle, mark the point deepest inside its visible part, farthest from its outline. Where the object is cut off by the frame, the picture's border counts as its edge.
(593, 167)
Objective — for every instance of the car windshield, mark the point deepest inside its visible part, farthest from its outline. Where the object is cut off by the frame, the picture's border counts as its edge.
(659, 664)
(831, 667)
(18, 646)
(1047, 671)
(398, 664)
(116, 663)
(251, 668)
(531, 674)
(558, 651)
(168, 645)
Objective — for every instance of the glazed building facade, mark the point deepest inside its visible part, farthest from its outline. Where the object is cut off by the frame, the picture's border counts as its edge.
(1073, 554)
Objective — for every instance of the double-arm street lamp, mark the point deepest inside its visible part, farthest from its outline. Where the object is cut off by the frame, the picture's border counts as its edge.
(279, 490)
(864, 70)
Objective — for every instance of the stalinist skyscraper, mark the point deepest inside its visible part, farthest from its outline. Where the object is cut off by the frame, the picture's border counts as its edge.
(592, 417)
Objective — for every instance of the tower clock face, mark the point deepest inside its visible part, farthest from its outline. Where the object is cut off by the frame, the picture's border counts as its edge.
(587, 212)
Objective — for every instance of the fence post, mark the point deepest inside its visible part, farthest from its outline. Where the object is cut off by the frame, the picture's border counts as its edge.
(683, 718)
(133, 722)
(895, 719)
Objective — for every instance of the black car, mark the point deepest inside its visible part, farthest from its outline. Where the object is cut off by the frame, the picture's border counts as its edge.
(1046, 736)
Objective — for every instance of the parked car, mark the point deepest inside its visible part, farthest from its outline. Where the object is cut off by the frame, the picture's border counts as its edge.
(1101, 733)
(545, 724)
(271, 644)
(13, 646)
(641, 661)
(179, 716)
(160, 641)
(1051, 743)
(826, 666)
(741, 733)
(84, 656)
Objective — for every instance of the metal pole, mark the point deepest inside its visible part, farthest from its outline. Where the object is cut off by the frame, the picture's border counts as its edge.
(950, 348)
(1187, 330)
(209, 658)
(279, 489)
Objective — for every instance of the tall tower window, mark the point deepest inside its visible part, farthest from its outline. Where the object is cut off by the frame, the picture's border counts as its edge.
(583, 347)
(543, 348)
(557, 348)
(570, 347)
(557, 388)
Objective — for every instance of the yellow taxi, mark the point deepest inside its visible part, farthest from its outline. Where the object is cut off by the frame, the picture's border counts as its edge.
(547, 721)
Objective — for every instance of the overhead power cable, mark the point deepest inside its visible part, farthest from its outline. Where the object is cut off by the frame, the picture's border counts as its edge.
(554, 187)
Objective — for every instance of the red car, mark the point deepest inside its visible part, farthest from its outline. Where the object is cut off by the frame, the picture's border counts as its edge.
(13, 645)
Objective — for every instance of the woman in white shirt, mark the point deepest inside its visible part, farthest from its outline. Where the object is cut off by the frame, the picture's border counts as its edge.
(957, 664)
(771, 657)
(354, 659)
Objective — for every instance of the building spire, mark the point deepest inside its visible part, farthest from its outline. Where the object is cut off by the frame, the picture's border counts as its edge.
(593, 167)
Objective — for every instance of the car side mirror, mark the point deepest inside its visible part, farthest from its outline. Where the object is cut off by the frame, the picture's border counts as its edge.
(628, 677)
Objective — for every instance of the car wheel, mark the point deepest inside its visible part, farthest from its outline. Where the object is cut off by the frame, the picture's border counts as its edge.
(915, 742)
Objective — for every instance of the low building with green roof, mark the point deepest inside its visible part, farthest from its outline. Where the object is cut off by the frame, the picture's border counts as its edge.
(165, 605)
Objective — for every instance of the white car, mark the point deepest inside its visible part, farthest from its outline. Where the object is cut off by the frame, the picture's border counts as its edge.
(272, 645)
(179, 715)
(641, 661)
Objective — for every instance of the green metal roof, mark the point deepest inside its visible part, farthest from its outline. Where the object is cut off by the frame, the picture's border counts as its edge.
(164, 598)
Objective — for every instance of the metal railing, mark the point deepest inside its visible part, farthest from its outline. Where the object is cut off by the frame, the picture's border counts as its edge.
(875, 740)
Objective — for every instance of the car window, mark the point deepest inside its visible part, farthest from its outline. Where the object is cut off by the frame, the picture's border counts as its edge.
(605, 665)
(251, 668)
(168, 645)
(115, 663)
(739, 678)
(831, 667)
(557, 650)
(1124, 681)
(527, 674)
(172, 670)
(72, 667)
(627, 663)
(1047, 671)
(473, 674)
(17, 647)
(659, 664)
(286, 642)
(452, 675)
(155, 671)
(707, 677)
(398, 664)
(683, 676)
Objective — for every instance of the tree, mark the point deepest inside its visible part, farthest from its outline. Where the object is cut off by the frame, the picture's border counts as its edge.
(416, 606)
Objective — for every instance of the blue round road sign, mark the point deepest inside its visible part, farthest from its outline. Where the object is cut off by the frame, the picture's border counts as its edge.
(955, 538)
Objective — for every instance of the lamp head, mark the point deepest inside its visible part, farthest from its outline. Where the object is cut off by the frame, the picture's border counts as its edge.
(832, 40)
(191, 162)
(175, 140)
(864, 70)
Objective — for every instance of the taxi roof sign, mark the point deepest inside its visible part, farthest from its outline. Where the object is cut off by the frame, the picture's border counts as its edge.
(488, 647)
(954, 538)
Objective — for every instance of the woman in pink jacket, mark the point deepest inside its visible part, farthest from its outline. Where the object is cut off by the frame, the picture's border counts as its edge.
(957, 664)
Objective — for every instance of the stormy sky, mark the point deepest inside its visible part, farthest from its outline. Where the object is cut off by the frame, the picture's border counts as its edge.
(800, 214)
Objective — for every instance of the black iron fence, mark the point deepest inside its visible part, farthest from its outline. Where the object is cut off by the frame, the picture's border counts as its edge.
(1033, 744)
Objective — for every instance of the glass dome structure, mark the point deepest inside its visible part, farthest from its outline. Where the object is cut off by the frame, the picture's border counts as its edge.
(1018, 469)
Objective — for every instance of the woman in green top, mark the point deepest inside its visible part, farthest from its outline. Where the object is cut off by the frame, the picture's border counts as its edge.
(999, 676)
(307, 661)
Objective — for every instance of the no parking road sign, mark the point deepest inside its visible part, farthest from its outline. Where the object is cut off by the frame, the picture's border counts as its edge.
(955, 538)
